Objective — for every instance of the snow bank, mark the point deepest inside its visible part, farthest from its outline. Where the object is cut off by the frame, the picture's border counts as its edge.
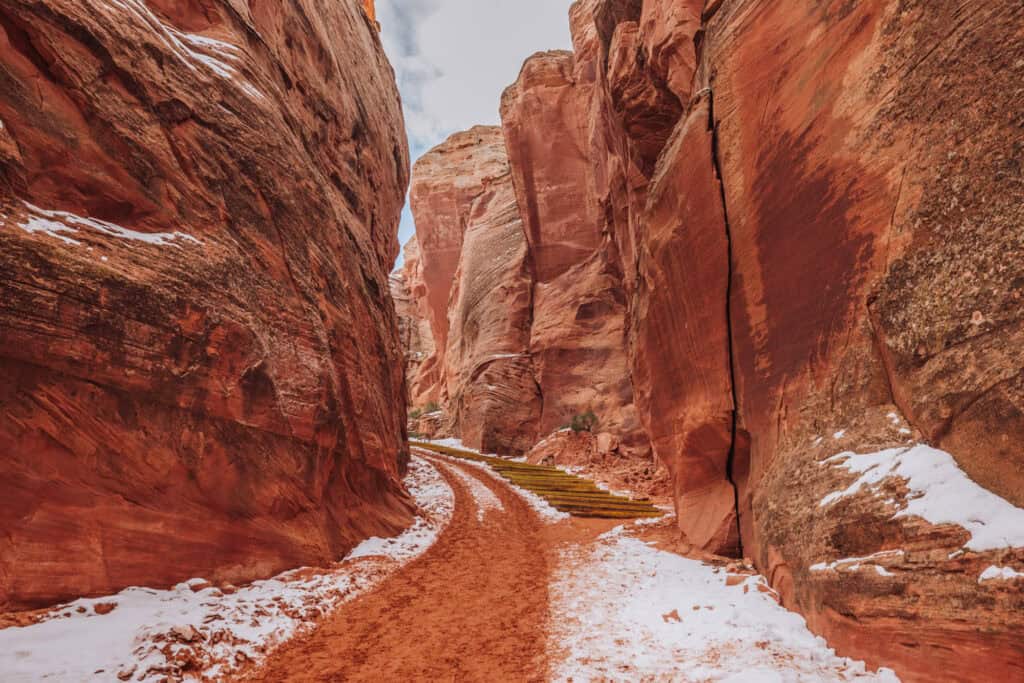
(152, 633)
(435, 499)
(940, 493)
(624, 611)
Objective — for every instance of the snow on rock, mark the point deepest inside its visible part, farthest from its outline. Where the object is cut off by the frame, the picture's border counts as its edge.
(994, 573)
(935, 482)
(624, 611)
(190, 48)
(142, 634)
(55, 223)
(852, 564)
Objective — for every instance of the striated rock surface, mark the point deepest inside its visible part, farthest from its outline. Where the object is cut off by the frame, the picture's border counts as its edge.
(579, 308)
(476, 273)
(201, 366)
(447, 180)
(409, 294)
(491, 392)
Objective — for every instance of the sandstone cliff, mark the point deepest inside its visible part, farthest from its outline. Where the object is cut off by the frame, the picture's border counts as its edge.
(201, 367)
(794, 229)
(408, 290)
(476, 292)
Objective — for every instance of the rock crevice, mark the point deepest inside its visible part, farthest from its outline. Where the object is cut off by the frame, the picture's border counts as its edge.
(739, 455)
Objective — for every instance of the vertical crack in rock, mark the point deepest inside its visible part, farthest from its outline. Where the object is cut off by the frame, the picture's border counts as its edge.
(731, 460)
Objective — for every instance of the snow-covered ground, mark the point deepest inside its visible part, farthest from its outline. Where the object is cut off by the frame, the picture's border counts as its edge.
(142, 634)
(625, 611)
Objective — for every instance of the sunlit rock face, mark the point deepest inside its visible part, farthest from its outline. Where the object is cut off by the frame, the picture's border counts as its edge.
(477, 293)
(201, 363)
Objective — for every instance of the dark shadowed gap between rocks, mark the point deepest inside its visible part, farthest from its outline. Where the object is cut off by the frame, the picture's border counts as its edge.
(731, 464)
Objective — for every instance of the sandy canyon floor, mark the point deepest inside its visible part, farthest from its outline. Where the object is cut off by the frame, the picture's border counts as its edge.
(490, 584)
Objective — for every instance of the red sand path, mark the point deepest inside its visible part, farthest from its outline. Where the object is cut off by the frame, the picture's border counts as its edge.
(473, 608)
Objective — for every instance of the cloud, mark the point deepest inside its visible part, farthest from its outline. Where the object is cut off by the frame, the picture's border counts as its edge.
(453, 58)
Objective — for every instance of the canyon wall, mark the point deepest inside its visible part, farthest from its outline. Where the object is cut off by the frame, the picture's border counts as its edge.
(202, 376)
(874, 300)
(577, 339)
(473, 283)
(795, 229)
(408, 291)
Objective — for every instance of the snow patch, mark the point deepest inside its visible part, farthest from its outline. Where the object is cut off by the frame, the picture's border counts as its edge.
(624, 611)
(36, 224)
(940, 493)
(55, 223)
(994, 573)
(506, 356)
(147, 629)
(852, 564)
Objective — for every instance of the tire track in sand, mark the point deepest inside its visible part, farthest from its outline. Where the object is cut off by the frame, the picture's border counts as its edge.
(473, 608)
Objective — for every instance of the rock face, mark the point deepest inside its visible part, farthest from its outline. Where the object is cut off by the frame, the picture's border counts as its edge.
(446, 183)
(198, 204)
(409, 294)
(579, 309)
(817, 291)
(795, 229)
(681, 334)
(492, 397)
(871, 226)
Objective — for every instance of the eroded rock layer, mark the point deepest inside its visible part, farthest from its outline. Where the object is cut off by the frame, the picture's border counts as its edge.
(201, 364)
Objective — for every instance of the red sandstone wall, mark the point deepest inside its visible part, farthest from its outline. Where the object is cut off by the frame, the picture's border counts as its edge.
(227, 404)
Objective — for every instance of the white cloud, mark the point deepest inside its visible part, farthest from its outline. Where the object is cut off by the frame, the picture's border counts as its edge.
(453, 58)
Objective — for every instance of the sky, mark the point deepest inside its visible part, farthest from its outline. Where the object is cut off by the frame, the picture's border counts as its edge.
(453, 58)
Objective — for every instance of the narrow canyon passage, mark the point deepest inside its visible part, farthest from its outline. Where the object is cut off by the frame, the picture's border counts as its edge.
(474, 607)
